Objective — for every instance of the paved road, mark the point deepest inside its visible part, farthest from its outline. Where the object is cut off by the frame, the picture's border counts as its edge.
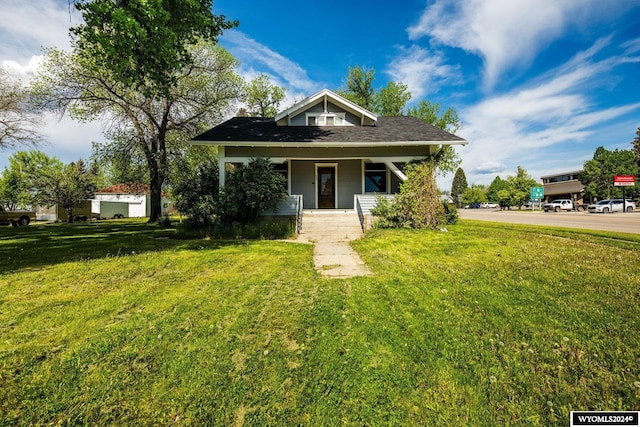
(621, 222)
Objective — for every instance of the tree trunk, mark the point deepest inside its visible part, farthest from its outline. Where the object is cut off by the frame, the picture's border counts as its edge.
(70, 215)
(156, 201)
(156, 178)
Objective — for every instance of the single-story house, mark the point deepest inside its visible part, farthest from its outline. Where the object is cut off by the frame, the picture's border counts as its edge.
(329, 149)
(125, 201)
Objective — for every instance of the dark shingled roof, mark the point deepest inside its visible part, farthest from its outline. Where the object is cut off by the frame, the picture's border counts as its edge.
(386, 130)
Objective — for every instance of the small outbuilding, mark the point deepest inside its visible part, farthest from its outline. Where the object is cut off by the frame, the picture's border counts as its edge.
(125, 201)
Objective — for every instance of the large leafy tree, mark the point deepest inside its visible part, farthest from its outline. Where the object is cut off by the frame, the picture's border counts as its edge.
(447, 159)
(263, 97)
(418, 204)
(433, 113)
(17, 124)
(359, 87)
(498, 184)
(204, 93)
(150, 69)
(597, 174)
(474, 195)
(521, 184)
(145, 44)
(391, 101)
(18, 186)
(66, 186)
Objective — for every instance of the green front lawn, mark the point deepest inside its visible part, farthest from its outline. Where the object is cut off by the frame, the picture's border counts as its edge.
(126, 323)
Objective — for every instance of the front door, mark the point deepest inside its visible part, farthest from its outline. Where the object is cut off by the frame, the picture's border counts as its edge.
(326, 187)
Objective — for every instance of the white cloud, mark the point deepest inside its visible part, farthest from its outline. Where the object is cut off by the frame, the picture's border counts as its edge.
(513, 128)
(26, 26)
(421, 70)
(505, 33)
(632, 46)
(256, 58)
(23, 72)
(65, 139)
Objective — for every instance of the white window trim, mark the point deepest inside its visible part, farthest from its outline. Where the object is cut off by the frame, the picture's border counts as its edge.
(340, 119)
(364, 172)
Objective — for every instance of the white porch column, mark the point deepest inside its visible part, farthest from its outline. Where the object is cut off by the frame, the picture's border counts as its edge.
(221, 166)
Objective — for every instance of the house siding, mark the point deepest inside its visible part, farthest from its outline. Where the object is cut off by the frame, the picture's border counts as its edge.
(303, 181)
(349, 182)
(300, 119)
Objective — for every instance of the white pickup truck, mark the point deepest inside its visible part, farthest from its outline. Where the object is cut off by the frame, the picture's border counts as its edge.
(558, 205)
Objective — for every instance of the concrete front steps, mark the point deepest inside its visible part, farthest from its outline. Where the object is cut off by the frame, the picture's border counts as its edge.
(330, 225)
(330, 231)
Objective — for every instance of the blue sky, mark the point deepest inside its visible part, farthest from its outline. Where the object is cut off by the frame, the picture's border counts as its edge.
(536, 83)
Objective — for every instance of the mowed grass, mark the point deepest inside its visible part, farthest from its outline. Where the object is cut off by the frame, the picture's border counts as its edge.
(126, 323)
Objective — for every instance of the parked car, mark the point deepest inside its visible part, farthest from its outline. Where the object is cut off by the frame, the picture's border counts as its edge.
(488, 205)
(558, 205)
(17, 217)
(611, 205)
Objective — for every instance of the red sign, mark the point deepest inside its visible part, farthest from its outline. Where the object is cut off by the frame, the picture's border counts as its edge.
(624, 180)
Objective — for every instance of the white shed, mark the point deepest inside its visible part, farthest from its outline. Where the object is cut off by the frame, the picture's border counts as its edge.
(125, 201)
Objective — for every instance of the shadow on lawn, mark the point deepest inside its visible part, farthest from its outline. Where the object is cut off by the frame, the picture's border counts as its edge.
(47, 244)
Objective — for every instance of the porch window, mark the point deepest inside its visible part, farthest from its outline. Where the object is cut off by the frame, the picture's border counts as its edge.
(375, 178)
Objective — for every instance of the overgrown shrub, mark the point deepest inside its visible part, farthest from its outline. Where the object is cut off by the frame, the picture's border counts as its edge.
(196, 194)
(249, 191)
(418, 205)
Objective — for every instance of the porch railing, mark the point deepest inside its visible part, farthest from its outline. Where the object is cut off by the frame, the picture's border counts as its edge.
(364, 203)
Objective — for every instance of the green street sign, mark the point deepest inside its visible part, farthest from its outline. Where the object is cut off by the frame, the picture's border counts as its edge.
(537, 192)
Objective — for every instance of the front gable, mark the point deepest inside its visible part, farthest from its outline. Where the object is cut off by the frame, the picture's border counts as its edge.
(325, 108)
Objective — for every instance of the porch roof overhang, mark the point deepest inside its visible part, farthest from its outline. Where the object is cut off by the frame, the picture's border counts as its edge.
(360, 144)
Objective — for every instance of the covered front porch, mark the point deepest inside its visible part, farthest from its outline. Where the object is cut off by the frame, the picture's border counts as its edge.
(330, 178)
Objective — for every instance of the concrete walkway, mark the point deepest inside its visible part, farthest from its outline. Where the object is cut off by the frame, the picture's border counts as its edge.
(330, 231)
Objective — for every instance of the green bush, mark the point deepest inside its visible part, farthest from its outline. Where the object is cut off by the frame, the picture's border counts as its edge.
(249, 191)
(450, 212)
(196, 194)
(418, 204)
